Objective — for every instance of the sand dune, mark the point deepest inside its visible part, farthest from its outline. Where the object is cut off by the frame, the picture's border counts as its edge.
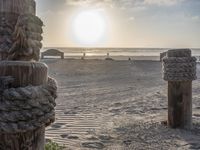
(116, 105)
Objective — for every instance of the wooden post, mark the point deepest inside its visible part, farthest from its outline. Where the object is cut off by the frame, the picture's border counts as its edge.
(29, 105)
(18, 6)
(179, 97)
(24, 74)
(31, 140)
(180, 104)
(62, 55)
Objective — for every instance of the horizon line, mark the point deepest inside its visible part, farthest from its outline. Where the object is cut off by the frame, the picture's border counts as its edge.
(121, 47)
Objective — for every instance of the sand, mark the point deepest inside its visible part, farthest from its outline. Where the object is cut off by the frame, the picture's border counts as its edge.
(116, 105)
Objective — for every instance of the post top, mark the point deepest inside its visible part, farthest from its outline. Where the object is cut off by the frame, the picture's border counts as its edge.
(18, 6)
(179, 53)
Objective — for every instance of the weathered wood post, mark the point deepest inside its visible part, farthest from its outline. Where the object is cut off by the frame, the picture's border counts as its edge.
(27, 94)
(179, 70)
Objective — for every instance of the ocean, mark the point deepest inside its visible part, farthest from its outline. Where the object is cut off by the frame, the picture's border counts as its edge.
(116, 53)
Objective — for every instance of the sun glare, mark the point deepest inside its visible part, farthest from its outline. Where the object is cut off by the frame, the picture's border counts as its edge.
(89, 27)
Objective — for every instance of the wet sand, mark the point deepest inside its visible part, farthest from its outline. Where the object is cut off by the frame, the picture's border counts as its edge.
(116, 105)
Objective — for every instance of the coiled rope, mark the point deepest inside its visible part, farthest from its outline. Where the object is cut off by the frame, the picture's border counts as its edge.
(26, 108)
(179, 68)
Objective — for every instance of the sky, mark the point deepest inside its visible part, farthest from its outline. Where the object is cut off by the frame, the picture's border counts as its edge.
(127, 23)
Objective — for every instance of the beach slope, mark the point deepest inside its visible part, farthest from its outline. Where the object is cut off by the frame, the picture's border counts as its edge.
(116, 105)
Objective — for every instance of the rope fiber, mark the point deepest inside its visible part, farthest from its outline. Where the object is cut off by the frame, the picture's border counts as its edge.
(26, 108)
(179, 68)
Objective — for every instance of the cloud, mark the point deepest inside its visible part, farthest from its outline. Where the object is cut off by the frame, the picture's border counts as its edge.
(162, 2)
(136, 5)
(131, 18)
(196, 18)
(88, 2)
(128, 3)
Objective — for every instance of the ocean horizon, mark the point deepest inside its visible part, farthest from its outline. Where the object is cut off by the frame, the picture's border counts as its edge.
(116, 53)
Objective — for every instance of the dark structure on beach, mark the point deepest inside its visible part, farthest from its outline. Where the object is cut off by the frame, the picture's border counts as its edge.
(108, 57)
(52, 52)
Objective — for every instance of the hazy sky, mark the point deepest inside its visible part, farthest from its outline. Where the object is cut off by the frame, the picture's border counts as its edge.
(129, 23)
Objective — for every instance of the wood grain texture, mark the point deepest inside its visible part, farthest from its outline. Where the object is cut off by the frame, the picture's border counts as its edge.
(30, 140)
(18, 6)
(180, 104)
(24, 73)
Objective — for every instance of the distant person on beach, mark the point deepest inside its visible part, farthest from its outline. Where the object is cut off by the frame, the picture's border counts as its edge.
(83, 57)
(108, 55)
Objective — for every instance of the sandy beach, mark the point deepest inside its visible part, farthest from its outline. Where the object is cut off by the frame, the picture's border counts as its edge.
(116, 105)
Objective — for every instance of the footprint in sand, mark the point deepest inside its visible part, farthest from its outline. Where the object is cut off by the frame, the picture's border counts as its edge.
(57, 125)
(96, 145)
(114, 110)
(91, 138)
(70, 112)
(196, 115)
(64, 135)
(73, 137)
(104, 137)
(127, 142)
(117, 104)
(197, 107)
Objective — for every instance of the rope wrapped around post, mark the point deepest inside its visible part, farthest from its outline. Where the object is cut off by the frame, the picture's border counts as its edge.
(179, 68)
(26, 108)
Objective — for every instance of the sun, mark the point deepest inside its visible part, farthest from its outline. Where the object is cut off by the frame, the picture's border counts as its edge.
(89, 27)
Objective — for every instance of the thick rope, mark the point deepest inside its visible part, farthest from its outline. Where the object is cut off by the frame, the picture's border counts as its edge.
(6, 31)
(27, 108)
(21, 40)
(179, 68)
